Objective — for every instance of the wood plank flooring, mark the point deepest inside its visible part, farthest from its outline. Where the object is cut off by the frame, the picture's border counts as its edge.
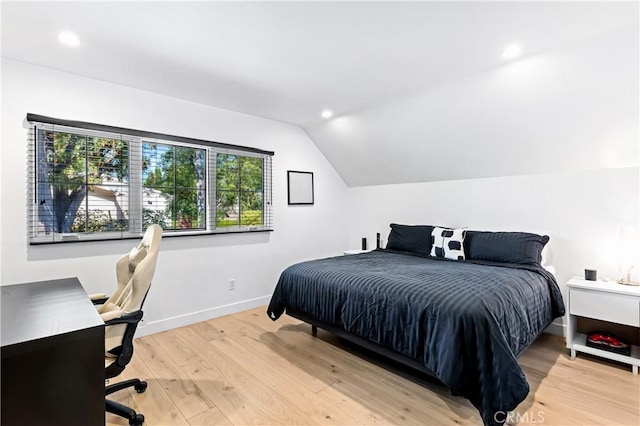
(245, 369)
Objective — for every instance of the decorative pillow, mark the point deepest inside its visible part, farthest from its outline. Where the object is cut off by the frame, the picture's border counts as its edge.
(411, 238)
(135, 257)
(448, 243)
(508, 247)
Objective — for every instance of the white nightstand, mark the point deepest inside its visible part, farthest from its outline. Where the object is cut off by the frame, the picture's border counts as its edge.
(357, 251)
(605, 301)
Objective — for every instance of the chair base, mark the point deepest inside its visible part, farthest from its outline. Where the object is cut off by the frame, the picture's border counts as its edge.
(121, 410)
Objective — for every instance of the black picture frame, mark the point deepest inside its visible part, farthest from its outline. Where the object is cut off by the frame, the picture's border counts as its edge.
(299, 188)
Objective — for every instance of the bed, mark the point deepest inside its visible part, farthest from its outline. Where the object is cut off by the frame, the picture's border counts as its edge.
(463, 321)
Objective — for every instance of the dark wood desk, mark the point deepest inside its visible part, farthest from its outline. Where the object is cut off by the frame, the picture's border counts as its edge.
(52, 355)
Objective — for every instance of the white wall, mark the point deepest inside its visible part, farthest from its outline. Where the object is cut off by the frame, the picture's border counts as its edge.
(193, 272)
(583, 212)
(568, 109)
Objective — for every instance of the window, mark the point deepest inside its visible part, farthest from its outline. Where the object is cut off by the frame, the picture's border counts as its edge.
(239, 191)
(90, 181)
(173, 186)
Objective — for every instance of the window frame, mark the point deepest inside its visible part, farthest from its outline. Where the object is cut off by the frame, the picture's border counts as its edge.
(136, 139)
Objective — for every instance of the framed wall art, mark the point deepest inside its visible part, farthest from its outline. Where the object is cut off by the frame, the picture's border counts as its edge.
(299, 187)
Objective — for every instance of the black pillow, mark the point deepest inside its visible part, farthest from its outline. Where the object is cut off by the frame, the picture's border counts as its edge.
(412, 238)
(509, 247)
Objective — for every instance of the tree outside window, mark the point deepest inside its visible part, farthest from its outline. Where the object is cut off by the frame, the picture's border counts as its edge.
(174, 190)
(239, 192)
(81, 181)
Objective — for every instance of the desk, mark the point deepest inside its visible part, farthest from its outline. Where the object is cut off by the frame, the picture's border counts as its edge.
(52, 355)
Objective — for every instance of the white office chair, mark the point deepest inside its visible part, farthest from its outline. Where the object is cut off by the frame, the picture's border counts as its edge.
(123, 311)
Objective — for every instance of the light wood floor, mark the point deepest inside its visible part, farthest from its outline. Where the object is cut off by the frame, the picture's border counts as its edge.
(245, 369)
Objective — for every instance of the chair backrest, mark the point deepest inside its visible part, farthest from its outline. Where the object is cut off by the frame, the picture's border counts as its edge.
(134, 272)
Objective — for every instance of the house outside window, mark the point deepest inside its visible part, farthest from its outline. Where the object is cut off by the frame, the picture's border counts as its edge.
(89, 182)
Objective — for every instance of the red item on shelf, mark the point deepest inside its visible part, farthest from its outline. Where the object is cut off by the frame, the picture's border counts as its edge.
(608, 342)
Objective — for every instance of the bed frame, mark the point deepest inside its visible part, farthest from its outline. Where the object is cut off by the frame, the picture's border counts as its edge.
(364, 343)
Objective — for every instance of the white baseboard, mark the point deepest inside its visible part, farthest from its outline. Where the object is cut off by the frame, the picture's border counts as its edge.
(556, 328)
(147, 328)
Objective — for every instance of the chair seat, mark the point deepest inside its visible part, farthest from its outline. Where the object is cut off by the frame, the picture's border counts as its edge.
(109, 360)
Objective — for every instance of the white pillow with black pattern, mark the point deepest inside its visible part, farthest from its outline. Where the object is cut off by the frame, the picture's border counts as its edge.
(448, 243)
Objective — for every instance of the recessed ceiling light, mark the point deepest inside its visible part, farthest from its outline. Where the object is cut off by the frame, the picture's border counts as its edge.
(68, 38)
(327, 113)
(511, 51)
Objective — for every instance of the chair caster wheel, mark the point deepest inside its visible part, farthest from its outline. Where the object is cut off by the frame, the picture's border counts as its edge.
(141, 387)
(138, 421)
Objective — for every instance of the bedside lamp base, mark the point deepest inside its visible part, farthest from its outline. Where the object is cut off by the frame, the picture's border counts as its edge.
(629, 278)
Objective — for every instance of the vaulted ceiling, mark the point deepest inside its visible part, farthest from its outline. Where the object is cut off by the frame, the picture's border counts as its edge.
(419, 90)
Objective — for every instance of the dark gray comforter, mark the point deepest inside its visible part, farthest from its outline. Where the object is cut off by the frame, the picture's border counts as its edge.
(465, 321)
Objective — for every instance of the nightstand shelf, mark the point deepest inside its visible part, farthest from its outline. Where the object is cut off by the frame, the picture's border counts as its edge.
(605, 301)
(579, 344)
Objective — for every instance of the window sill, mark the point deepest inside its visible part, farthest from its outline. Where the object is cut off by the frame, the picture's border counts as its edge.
(167, 234)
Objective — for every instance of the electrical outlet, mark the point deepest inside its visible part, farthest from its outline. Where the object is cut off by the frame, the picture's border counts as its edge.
(232, 284)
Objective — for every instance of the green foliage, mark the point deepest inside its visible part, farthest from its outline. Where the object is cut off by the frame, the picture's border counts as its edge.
(178, 173)
(67, 164)
(252, 217)
(239, 190)
(154, 216)
(78, 160)
(97, 221)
